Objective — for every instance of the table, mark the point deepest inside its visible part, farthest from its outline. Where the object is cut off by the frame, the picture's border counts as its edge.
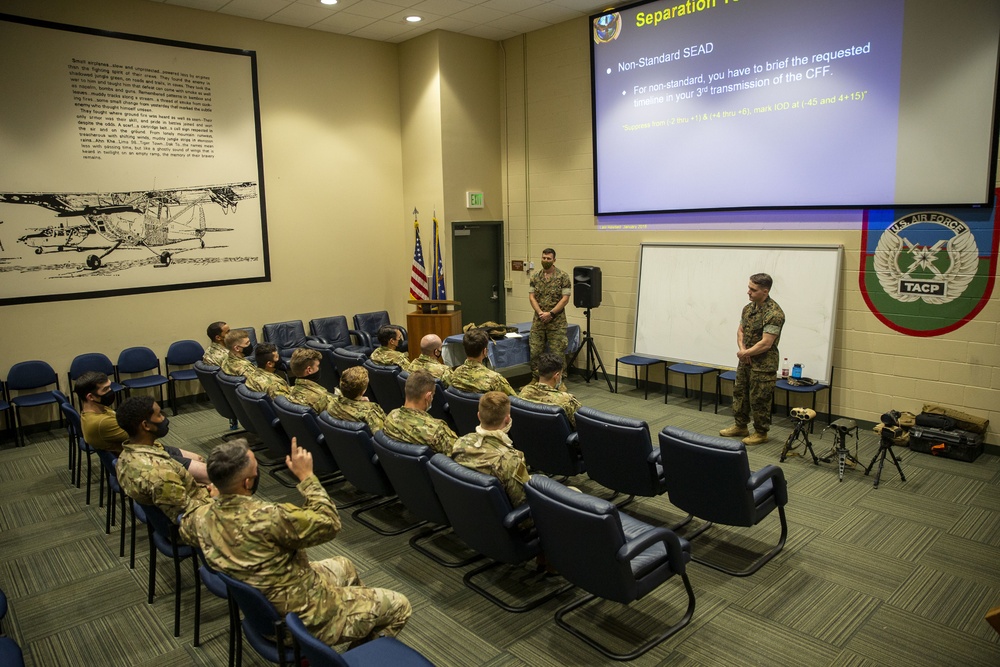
(506, 352)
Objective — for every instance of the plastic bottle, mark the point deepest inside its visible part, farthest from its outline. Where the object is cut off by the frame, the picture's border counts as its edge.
(784, 369)
(797, 371)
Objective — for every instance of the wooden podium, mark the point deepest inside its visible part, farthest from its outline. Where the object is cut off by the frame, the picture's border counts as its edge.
(432, 316)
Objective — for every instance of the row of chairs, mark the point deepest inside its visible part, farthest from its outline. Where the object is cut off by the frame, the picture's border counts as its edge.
(327, 332)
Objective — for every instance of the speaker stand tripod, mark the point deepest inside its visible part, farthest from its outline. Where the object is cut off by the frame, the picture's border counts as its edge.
(594, 361)
(885, 448)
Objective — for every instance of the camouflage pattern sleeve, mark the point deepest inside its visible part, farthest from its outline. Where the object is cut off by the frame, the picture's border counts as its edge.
(316, 522)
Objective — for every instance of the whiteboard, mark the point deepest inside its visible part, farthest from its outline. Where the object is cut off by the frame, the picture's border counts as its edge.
(691, 295)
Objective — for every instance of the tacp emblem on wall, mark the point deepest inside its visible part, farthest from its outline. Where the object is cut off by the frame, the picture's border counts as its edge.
(928, 272)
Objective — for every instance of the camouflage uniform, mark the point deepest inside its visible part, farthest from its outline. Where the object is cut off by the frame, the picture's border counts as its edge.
(419, 428)
(358, 411)
(215, 354)
(149, 475)
(264, 545)
(474, 377)
(753, 392)
(493, 453)
(307, 392)
(539, 392)
(101, 431)
(433, 366)
(238, 366)
(386, 357)
(548, 292)
(270, 383)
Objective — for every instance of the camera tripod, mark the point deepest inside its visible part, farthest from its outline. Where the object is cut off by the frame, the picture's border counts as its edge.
(842, 429)
(885, 448)
(801, 418)
(594, 361)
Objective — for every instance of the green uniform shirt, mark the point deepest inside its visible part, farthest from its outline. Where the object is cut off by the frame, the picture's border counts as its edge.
(757, 321)
(101, 430)
(150, 476)
(215, 354)
(539, 392)
(419, 428)
(234, 365)
(432, 366)
(386, 357)
(268, 383)
(548, 291)
(307, 392)
(492, 453)
(472, 376)
(358, 411)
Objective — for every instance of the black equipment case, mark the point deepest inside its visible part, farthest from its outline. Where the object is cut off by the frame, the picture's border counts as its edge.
(958, 445)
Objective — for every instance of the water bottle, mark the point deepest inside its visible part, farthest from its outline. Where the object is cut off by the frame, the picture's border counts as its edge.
(797, 371)
(784, 369)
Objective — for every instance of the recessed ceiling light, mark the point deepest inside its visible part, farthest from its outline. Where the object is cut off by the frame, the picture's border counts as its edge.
(328, 2)
(414, 19)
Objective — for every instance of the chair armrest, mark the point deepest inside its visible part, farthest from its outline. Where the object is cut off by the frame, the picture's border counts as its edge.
(362, 336)
(516, 516)
(573, 440)
(770, 472)
(633, 548)
(655, 456)
(314, 339)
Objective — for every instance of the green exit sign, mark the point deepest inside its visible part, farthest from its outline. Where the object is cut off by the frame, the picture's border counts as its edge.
(473, 200)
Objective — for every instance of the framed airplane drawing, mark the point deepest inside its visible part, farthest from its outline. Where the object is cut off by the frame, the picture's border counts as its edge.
(129, 164)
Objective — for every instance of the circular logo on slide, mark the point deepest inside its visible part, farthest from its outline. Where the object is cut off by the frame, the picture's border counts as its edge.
(927, 256)
(607, 28)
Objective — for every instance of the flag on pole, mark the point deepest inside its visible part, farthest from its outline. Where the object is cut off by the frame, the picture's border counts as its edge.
(418, 276)
(438, 287)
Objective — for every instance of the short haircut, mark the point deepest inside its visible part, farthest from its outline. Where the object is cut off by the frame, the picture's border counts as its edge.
(549, 364)
(386, 334)
(475, 341)
(264, 352)
(88, 384)
(214, 329)
(302, 359)
(418, 384)
(549, 251)
(429, 343)
(132, 412)
(235, 336)
(493, 407)
(762, 279)
(354, 381)
(226, 461)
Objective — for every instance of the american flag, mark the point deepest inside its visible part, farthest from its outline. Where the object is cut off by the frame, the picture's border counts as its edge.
(418, 277)
(438, 285)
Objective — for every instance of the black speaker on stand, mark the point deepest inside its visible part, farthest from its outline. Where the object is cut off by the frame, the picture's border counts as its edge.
(587, 294)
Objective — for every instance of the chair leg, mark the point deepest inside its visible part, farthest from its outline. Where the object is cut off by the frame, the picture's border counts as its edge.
(131, 556)
(177, 592)
(514, 609)
(100, 480)
(358, 516)
(152, 564)
(107, 511)
(757, 564)
(416, 540)
(121, 537)
(88, 475)
(197, 602)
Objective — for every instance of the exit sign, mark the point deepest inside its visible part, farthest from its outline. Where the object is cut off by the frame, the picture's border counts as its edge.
(473, 200)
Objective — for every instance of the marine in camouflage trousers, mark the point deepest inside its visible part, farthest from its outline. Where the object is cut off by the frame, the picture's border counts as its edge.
(551, 335)
(368, 612)
(753, 396)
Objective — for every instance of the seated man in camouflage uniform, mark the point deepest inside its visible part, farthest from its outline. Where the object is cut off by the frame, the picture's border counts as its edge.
(546, 389)
(306, 391)
(430, 359)
(100, 424)
(236, 362)
(146, 471)
(352, 405)
(412, 424)
(389, 338)
(472, 375)
(264, 545)
(490, 451)
(216, 352)
(263, 378)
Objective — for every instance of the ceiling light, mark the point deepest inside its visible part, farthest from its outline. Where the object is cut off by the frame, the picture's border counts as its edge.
(414, 19)
(328, 2)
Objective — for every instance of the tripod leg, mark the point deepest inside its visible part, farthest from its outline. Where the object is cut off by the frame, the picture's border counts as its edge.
(600, 364)
(898, 467)
(881, 462)
(874, 458)
(809, 447)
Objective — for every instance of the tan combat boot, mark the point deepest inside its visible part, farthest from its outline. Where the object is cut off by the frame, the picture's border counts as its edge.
(734, 431)
(758, 438)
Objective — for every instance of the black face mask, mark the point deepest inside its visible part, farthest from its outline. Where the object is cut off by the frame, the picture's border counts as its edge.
(162, 428)
(107, 399)
(248, 350)
(256, 483)
(281, 365)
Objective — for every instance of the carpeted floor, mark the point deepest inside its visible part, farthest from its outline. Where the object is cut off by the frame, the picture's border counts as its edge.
(899, 575)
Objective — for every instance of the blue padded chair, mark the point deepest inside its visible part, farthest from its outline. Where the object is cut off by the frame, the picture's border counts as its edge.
(370, 323)
(405, 465)
(263, 627)
(812, 390)
(300, 422)
(275, 443)
(251, 333)
(207, 375)
(464, 409)
(353, 447)
(10, 653)
(380, 652)
(619, 454)
(481, 514)
(5, 407)
(181, 353)
(382, 382)
(329, 375)
(333, 331)
(688, 370)
(286, 336)
(727, 376)
(344, 359)
(92, 361)
(136, 360)
(165, 538)
(439, 405)
(606, 553)
(217, 587)
(25, 376)
(544, 434)
(116, 499)
(229, 384)
(76, 440)
(694, 463)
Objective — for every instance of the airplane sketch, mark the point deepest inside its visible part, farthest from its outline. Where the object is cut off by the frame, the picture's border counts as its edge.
(161, 222)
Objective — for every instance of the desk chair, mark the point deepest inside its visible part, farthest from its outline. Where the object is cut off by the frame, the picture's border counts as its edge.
(686, 370)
